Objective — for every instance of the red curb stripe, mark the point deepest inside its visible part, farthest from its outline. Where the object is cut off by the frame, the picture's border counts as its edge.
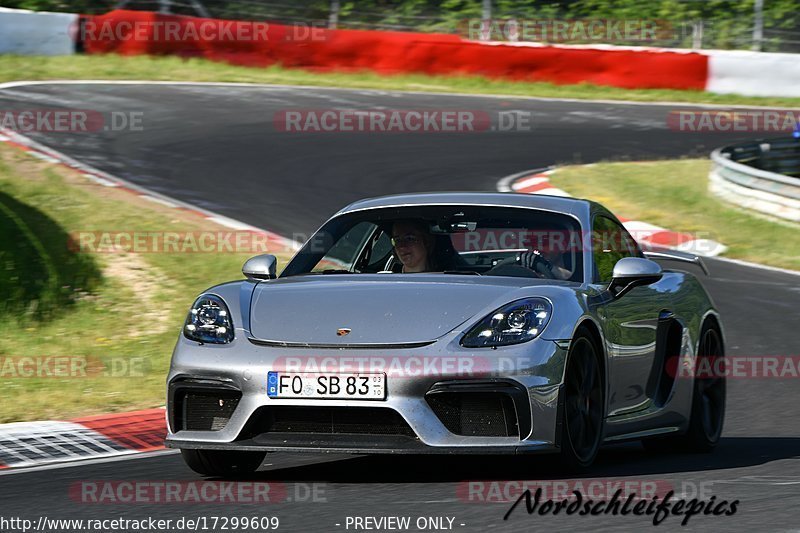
(531, 176)
(139, 430)
(18, 145)
(669, 238)
(535, 188)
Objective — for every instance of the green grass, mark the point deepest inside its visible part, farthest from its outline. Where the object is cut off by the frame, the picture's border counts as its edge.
(674, 194)
(114, 67)
(104, 308)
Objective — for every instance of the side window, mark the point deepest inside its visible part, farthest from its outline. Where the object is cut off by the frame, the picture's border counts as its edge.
(342, 255)
(610, 243)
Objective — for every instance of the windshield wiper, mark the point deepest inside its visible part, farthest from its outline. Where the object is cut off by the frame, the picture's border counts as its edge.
(463, 272)
(336, 271)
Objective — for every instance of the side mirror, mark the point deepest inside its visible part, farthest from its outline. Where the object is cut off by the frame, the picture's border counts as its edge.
(261, 267)
(630, 272)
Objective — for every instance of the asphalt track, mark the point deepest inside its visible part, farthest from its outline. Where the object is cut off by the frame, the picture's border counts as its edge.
(217, 147)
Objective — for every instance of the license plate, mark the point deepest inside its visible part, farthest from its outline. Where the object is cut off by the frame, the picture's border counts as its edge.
(326, 386)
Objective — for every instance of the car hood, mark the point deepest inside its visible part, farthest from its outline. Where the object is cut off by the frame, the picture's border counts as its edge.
(310, 309)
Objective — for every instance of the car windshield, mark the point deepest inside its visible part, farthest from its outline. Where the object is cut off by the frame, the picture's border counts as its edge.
(467, 240)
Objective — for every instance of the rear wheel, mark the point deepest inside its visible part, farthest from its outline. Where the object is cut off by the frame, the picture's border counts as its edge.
(708, 402)
(583, 404)
(223, 463)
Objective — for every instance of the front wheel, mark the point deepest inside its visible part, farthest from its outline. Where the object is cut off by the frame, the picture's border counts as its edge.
(583, 404)
(222, 463)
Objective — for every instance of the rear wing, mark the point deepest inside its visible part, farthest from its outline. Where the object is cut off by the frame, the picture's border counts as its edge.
(675, 255)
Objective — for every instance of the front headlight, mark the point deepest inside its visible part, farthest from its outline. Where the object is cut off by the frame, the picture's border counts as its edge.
(514, 323)
(209, 321)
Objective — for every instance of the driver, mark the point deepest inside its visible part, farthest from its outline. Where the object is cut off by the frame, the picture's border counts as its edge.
(413, 245)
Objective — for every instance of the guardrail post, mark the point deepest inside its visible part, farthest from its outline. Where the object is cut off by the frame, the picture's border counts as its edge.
(486, 20)
(333, 18)
(697, 34)
(758, 25)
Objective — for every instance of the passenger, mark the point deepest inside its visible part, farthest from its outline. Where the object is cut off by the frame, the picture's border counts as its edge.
(413, 245)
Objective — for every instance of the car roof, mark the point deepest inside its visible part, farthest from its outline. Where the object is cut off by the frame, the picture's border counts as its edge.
(574, 206)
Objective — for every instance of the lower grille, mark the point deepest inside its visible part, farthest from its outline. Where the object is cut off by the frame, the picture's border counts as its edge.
(476, 414)
(205, 410)
(334, 421)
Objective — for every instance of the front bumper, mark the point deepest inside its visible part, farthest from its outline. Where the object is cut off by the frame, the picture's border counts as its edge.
(530, 374)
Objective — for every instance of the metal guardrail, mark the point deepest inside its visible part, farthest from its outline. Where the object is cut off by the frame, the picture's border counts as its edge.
(769, 165)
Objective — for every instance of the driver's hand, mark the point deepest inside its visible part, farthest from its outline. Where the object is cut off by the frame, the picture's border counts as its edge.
(537, 262)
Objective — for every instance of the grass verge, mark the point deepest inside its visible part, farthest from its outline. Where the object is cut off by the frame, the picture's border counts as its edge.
(115, 67)
(117, 315)
(674, 194)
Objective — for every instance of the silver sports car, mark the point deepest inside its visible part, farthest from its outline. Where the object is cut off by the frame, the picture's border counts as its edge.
(449, 323)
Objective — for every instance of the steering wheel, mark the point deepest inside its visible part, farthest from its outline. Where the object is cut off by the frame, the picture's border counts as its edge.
(537, 262)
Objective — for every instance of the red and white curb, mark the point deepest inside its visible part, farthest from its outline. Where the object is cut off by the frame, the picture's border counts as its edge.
(648, 235)
(26, 444)
(275, 242)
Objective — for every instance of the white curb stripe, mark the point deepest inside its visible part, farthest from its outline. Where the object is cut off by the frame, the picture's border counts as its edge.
(554, 191)
(159, 200)
(25, 444)
(643, 227)
(527, 182)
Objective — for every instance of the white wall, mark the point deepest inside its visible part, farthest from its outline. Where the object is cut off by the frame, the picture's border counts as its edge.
(37, 33)
(753, 73)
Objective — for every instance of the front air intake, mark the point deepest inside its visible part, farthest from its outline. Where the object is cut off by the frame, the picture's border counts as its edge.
(204, 410)
(476, 414)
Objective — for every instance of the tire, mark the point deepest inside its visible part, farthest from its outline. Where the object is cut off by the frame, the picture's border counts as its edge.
(584, 401)
(222, 463)
(708, 404)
